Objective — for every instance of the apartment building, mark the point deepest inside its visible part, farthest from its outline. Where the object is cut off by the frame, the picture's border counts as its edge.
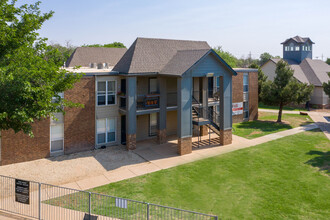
(156, 89)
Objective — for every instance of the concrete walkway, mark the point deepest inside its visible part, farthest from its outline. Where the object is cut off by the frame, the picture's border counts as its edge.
(276, 111)
(164, 156)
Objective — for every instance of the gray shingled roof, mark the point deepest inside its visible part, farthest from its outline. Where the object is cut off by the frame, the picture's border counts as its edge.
(316, 71)
(149, 55)
(83, 56)
(182, 61)
(298, 39)
(310, 71)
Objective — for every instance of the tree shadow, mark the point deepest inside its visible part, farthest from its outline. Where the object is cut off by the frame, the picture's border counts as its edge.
(264, 126)
(322, 161)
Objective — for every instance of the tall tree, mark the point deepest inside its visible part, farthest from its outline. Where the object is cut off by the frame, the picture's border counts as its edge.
(230, 59)
(262, 78)
(63, 51)
(113, 45)
(285, 89)
(328, 61)
(264, 57)
(29, 75)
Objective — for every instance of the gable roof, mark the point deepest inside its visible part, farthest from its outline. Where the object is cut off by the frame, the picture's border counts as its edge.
(83, 56)
(149, 55)
(316, 71)
(182, 61)
(310, 71)
(298, 39)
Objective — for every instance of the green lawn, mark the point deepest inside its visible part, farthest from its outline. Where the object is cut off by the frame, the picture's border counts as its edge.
(286, 108)
(288, 178)
(266, 124)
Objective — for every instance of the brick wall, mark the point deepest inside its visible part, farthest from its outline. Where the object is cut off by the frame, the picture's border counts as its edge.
(237, 83)
(253, 95)
(79, 123)
(20, 147)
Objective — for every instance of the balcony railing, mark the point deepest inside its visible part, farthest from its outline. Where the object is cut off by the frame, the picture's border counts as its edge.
(148, 101)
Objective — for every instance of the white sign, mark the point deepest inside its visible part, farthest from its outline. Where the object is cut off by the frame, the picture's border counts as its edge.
(238, 108)
(121, 203)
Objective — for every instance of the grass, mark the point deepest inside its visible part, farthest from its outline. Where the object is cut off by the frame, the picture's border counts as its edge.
(288, 178)
(286, 108)
(266, 124)
(283, 179)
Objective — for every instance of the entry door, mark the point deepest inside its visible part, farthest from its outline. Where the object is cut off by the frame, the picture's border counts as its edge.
(57, 134)
(123, 129)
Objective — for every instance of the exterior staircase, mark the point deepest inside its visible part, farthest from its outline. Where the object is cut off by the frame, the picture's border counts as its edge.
(208, 121)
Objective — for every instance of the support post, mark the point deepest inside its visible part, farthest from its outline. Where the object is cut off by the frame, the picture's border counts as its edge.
(131, 113)
(161, 134)
(225, 107)
(184, 87)
(205, 104)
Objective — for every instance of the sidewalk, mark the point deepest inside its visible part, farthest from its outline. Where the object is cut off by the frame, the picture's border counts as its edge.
(164, 156)
(276, 111)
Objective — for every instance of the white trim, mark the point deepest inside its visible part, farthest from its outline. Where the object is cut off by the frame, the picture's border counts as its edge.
(106, 92)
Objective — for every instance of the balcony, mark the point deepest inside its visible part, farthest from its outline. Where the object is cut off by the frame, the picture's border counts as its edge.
(143, 102)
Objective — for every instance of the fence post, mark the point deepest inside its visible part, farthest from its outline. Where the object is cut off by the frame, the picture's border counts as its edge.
(215, 217)
(39, 205)
(148, 211)
(89, 205)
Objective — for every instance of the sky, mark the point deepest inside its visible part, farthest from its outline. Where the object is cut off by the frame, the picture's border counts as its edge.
(240, 27)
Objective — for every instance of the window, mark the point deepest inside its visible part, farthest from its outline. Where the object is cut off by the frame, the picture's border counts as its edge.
(153, 85)
(297, 48)
(245, 82)
(286, 48)
(106, 92)
(106, 130)
(246, 110)
(57, 133)
(291, 47)
(153, 124)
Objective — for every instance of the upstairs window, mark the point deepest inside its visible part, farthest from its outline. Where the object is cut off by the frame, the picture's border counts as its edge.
(106, 92)
(297, 48)
(246, 82)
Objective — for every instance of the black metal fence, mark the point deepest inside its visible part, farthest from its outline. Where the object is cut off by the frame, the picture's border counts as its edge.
(44, 201)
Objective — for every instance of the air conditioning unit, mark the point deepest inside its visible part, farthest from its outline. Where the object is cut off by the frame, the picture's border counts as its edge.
(100, 66)
(93, 65)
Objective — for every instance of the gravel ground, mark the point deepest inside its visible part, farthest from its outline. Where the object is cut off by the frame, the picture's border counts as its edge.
(69, 168)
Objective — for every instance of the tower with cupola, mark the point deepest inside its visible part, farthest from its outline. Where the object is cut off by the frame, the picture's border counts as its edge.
(297, 49)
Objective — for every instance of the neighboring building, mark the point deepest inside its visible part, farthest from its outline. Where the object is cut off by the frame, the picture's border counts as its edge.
(297, 52)
(157, 88)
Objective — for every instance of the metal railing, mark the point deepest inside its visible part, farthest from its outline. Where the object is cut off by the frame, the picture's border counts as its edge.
(48, 202)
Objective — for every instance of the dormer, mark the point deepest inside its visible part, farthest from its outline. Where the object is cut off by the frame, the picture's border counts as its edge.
(297, 49)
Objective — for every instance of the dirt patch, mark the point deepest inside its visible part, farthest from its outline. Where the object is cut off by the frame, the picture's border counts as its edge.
(73, 167)
(255, 132)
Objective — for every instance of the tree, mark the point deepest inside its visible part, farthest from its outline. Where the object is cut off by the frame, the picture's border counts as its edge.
(30, 77)
(64, 52)
(230, 59)
(326, 87)
(328, 61)
(285, 89)
(113, 45)
(262, 78)
(264, 58)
